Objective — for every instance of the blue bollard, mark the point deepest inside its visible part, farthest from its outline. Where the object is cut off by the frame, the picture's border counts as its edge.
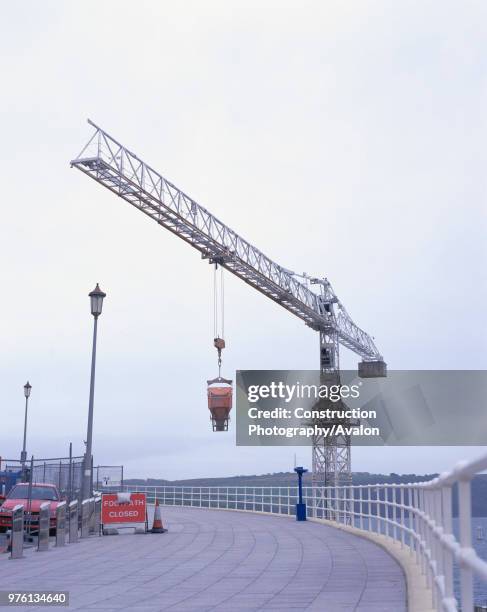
(300, 506)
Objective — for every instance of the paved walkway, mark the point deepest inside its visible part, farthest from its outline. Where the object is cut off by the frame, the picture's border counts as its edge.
(221, 561)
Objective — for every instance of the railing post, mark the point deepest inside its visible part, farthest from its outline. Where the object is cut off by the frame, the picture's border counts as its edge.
(369, 508)
(351, 503)
(422, 530)
(361, 507)
(73, 521)
(61, 524)
(426, 538)
(415, 523)
(337, 503)
(382, 497)
(440, 559)
(465, 513)
(411, 518)
(394, 512)
(402, 514)
(85, 518)
(448, 531)
(91, 520)
(17, 538)
(434, 563)
(43, 529)
(97, 504)
(377, 511)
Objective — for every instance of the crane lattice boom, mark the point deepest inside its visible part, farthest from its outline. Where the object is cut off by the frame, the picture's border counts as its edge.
(118, 169)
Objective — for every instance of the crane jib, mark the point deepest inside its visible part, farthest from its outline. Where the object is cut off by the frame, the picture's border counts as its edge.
(116, 168)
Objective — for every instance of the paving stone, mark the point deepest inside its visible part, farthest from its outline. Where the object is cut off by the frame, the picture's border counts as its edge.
(219, 561)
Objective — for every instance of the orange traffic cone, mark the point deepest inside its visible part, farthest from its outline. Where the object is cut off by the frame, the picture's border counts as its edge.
(157, 524)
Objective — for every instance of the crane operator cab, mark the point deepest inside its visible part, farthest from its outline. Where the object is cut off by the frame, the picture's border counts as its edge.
(220, 402)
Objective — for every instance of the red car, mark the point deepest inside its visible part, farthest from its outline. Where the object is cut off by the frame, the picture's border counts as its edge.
(40, 494)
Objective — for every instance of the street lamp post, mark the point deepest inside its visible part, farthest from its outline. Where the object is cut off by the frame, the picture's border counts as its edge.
(23, 454)
(96, 300)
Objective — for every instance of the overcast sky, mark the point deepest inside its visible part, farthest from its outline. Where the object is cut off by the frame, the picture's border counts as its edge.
(343, 139)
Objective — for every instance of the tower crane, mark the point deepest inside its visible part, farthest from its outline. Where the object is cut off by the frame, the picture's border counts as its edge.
(115, 167)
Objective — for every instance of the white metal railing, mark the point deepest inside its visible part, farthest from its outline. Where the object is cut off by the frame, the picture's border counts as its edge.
(277, 500)
(416, 515)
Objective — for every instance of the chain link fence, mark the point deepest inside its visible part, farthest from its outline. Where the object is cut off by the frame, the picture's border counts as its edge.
(66, 473)
(107, 477)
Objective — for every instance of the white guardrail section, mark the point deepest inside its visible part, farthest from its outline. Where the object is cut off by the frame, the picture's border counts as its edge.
(417, 515)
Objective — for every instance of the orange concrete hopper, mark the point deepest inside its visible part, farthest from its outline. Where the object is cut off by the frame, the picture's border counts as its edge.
(220, 404)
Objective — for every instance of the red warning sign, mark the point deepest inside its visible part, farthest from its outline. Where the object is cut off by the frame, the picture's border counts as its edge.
(123, 508)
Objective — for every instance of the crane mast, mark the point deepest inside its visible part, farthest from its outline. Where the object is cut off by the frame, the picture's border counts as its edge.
(115, 167)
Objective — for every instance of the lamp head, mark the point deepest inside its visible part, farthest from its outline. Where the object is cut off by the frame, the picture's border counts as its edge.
(27, 388)
(96, 299)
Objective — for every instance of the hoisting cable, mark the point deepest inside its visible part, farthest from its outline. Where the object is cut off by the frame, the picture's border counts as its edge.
(218, 317)
(222, 297)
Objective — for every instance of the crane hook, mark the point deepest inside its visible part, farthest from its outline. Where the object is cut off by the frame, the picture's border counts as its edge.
(219, 344)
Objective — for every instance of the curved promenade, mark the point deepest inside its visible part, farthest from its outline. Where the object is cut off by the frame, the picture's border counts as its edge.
(221, 561)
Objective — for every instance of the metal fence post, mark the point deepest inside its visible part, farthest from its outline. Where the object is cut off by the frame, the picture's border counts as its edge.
(17, 541)
(73, 521)
(61, 524)
(43, 532)
(70, 473)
